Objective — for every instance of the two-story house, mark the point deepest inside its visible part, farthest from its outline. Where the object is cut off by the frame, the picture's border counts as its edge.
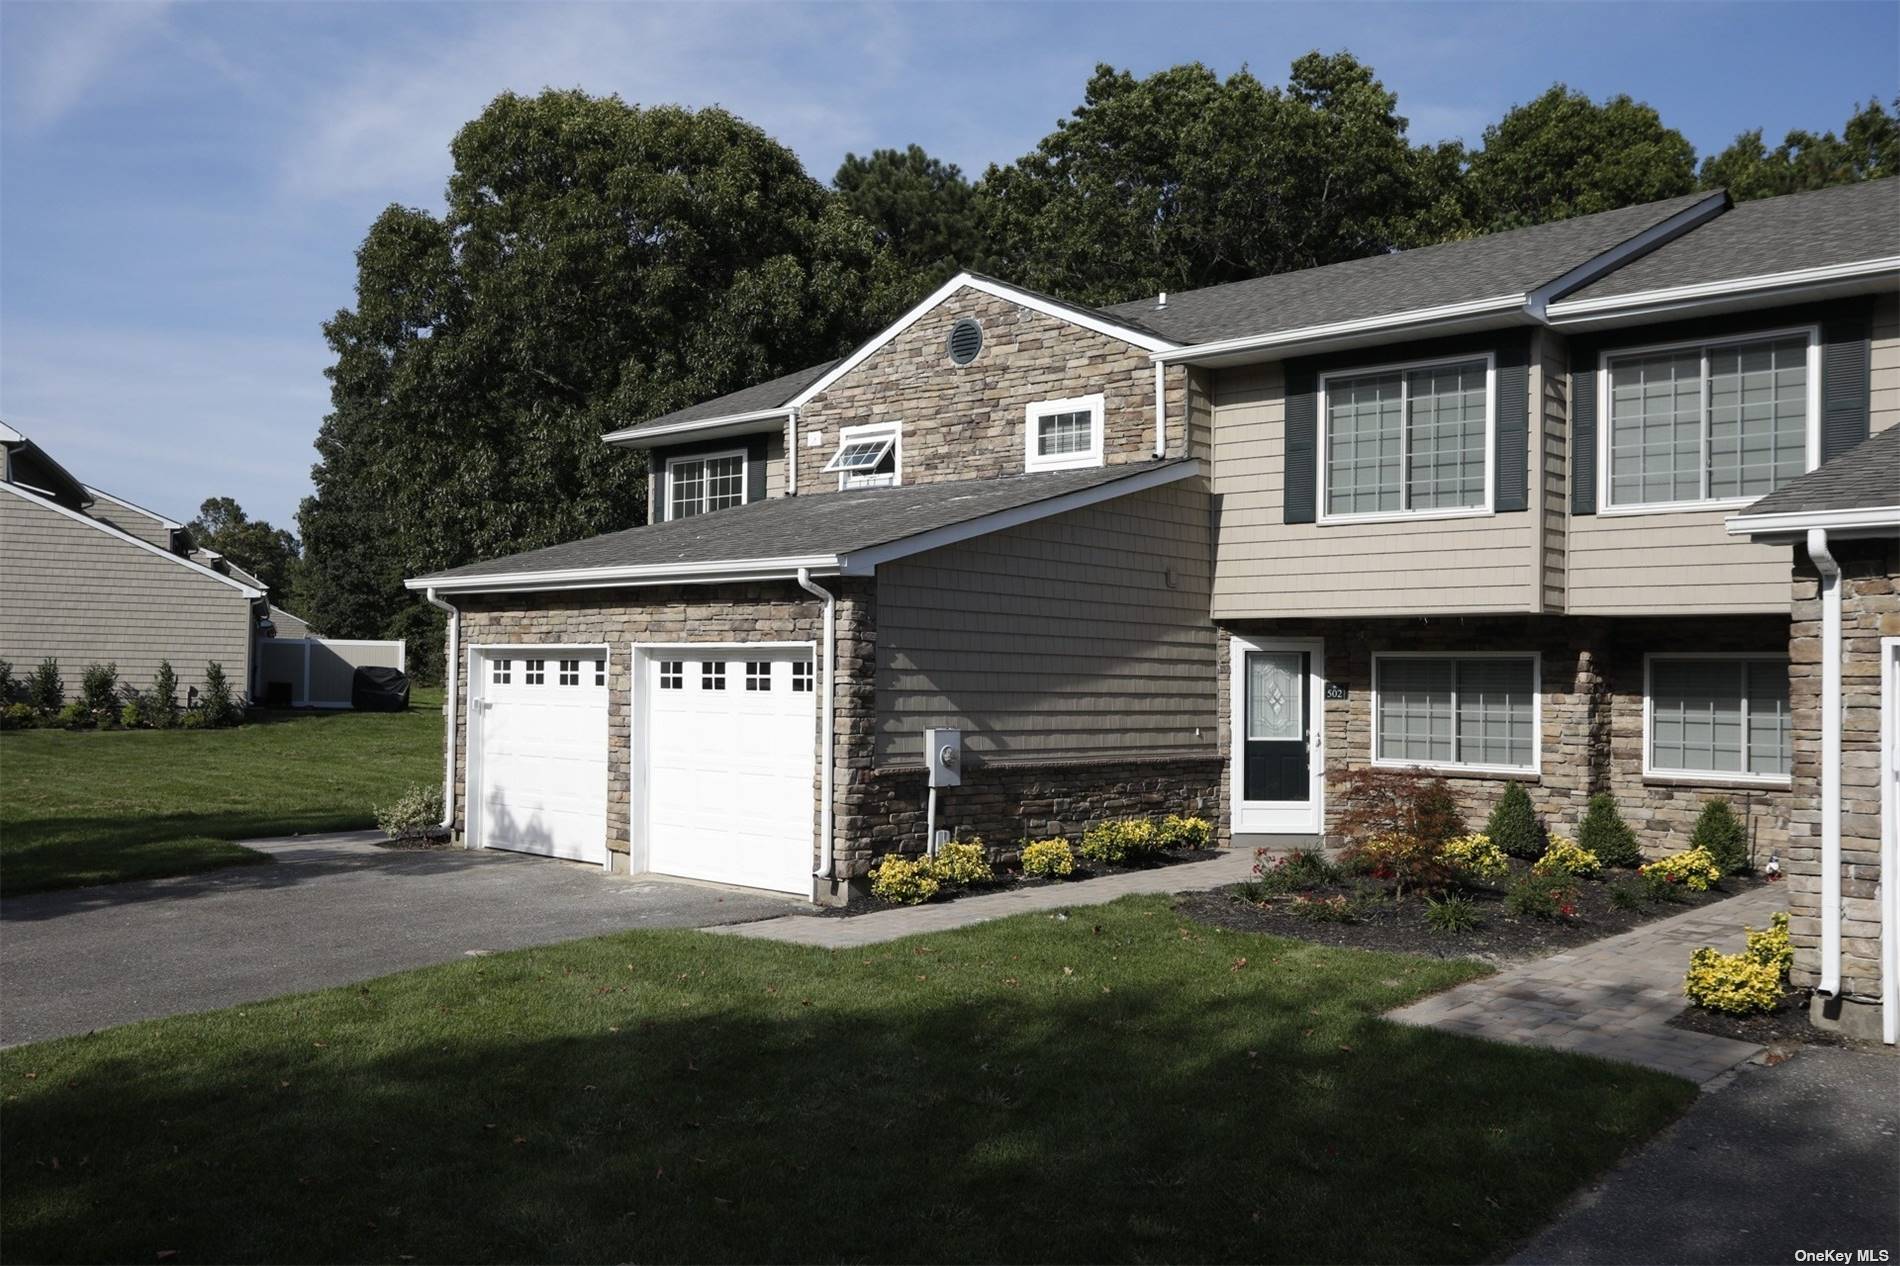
(1459, 508)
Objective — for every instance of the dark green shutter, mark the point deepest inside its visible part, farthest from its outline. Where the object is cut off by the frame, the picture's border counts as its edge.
(1511, 422)
(1302, 444)
(1845, 385)
(1583, 441)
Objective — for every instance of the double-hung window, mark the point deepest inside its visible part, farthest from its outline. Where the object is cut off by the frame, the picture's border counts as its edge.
(1708, 422)
(868, 456)
(1063, 434)
(702, 484)
(1413, 439)
(1721, 715)
(1471, 711)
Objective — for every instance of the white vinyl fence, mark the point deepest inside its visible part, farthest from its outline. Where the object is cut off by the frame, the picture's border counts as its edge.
(320, 669)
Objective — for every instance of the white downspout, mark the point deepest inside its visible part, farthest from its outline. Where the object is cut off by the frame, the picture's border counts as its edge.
(824, 773)
(1890, 841)
(791, 453)
(1161, 410)
(1830, 586)
(451, 676)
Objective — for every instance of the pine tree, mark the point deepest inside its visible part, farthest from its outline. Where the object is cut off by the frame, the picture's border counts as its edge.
(1605, 833)
(1514, 826)
(1725, 837)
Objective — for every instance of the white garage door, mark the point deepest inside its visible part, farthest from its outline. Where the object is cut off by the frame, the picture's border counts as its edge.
(729, 765)
(542, 731)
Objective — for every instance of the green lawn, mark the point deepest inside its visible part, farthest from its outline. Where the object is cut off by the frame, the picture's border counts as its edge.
(95, 807)
(1119, 1086)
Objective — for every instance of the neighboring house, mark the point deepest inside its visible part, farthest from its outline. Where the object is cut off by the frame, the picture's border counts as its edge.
(87, 578)
(1458, 508)
(1843, 521)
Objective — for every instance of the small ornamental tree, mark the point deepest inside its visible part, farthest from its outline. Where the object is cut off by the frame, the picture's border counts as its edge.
(99, 689)
(1604, 832)
(44, 688)
(219, 708)
(9, 684)
(164, 699)
(1724, 836)
(1388, 803)
(1514, 827)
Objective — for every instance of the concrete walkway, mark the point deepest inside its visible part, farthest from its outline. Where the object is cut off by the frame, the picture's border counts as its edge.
(1611, 998)
(888, 925)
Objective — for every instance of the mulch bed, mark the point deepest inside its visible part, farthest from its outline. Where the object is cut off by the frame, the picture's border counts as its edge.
(1011, 881)
(1785, 1027)
(1501, 937)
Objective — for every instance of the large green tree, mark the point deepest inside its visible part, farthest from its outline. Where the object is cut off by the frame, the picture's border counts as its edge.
(1563, 155)
(1868, 148)
(597, 263)
(922, 208)
(272, 554)
(1184, 179)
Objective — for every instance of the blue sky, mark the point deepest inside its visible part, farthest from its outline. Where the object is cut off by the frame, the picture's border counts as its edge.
(182, 186)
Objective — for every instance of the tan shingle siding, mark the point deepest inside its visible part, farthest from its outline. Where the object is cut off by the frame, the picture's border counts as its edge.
(1884, 406)
(1550, 388)
(79, 595)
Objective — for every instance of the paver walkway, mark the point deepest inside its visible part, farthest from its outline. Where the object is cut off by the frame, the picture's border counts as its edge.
(888, 925)
(1611, 998)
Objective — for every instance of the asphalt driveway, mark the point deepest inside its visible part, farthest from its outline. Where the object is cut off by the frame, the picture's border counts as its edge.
(332, 909)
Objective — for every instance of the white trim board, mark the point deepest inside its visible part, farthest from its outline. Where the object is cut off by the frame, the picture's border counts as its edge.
(129, 539)
(752, 423)
(1576, 311)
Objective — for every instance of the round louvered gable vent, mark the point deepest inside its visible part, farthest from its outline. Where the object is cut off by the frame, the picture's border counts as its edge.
(966, 340)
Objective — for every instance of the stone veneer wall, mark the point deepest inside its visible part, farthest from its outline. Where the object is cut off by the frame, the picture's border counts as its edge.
(1870, 610)
(1592, 715)
(966, 421)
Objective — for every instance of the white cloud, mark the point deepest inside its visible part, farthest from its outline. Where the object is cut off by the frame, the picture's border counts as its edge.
(72, 50)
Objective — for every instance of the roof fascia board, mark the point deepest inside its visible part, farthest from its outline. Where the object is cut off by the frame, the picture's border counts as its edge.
(129, 539)
(1577, 311)
(738, 424)
(1292, 340)
(616, 577)
(102, 495)
(966, 281)
(865, 561)
(1599, 266)
(1801, 520)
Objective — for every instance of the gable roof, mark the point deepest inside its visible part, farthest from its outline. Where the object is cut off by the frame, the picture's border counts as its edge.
(1864, 478)
(138, 542)
(1794, 233)
(847, 531)
(1501, 266)
(747, 402)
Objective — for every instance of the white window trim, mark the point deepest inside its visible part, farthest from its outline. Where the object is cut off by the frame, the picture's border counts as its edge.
(1652, 770)
(1606, 420)
(1485, 510)
(872, 431)
(745, 472)
(1095, 406)
(1536, 766)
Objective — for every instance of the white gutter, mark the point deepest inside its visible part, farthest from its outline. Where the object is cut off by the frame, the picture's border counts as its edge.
(696, 426)
(825, 773)
(1636, 302)
(791, 453)
(1798, 521)
(1890, 841)
(1830, 594)
(616, 577)
(1496, 305)
(1161, 410)
(452, 676)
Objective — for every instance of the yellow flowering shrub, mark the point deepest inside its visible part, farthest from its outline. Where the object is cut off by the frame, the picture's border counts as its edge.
(1736, 983)
(1771, 946)
(1474, 856)
(957, 865)
(1176, 831)
(1121, 840)
(1053, 859)
(1694, 870)
(904, 881)
(1564, 856)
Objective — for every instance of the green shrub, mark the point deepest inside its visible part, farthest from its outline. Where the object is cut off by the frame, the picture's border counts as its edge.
(1564, 856)
(216, 704)
(903, 881)
(1121, 841)
(1694, 870)
(1175, 831)
(417, 809)
(19, 716)
(1604, 832)
(1723, 836)
(1736, 983)
(1629, 893)
(99, 690)
(193, 720)
(1292, 872)
(1475, 858)
(1408, 861)
(1334, 909)
(1451, 914)
(164, 696)
(1514, 827)
(45, 691)
(1051, 859)
(1546, 897)
(959, 865)
(132, 715)
(74, 717)
(10, 686)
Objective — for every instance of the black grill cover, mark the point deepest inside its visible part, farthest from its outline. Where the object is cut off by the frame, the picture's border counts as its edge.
(379, 690)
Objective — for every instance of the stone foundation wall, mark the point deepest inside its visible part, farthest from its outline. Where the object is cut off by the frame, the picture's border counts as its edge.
(1591, 716)
(1870, 610)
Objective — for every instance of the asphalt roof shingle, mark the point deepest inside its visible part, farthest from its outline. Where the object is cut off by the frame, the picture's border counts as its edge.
(770, 394)
(1865, 477)
(1772, 235)
(795, 527)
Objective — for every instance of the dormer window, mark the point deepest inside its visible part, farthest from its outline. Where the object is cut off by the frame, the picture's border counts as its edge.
(1063, 434)
(868, 456)
(1406, 440)
(704, 483)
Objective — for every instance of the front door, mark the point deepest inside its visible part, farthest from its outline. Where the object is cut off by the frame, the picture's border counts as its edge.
(1278, 689)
